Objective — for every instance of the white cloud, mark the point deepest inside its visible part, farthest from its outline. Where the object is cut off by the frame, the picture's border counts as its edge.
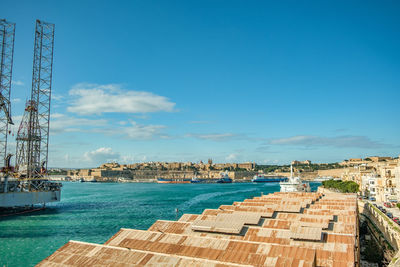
(101, 155)
(98, 99)
(269, 161)
(338, 141)
(127, 159)
(18, 83)
(56, 97)
(141, 116)
(63, 123)
(16, 100)
(60, 123)
(136, 131)
(214, 137)
(232, 157)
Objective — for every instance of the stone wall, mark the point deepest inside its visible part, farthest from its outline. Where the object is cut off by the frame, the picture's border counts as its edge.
(333, 172)
(389, 229)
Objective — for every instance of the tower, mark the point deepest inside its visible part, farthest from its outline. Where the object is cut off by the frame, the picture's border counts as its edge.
(7, 36)
(33, 132)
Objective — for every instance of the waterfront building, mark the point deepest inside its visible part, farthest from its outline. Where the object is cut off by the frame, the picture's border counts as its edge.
(382, 169)
(368, 185)
(247, 165)
(386, 187)
(280, 229)
(297, 162)
(397, 178)
(378, 159)
(110, 165)
(352, 162)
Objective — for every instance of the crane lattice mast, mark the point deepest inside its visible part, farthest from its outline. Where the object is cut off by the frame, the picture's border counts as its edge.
(7, 36)
(33, 132)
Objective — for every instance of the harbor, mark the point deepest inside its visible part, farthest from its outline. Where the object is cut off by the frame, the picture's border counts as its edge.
(279, 229)
(199, 133)
(93, 212)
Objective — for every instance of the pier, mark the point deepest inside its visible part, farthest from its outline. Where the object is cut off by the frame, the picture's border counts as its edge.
(280, 229)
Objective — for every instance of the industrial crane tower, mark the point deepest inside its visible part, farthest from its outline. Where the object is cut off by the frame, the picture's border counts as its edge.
(7, 36)
(33, 132)
(28, 185)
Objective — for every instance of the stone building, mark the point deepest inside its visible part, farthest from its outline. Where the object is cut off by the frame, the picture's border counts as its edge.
(397, 177)
(299, 162)
(368, 185)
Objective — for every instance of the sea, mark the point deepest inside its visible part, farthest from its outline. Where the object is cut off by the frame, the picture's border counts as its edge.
(93, 212)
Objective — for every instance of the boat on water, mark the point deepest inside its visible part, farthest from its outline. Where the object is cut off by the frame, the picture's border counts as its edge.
(261, 178)
(174, 180)
(324, 178)
(196, 180)
(224, 179)
(294, 184)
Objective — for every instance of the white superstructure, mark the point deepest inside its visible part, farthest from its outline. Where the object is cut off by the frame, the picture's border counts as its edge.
(294, 184)
(323, 178)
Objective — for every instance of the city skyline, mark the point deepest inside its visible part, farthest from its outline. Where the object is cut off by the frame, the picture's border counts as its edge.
(232, 81)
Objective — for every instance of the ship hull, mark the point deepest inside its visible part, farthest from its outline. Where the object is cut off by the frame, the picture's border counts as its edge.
(294, 187)
(224, 181)
(20, 199)
(173, 181)
(277, 180)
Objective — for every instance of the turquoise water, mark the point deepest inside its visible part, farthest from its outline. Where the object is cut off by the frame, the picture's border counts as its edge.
(93, 212)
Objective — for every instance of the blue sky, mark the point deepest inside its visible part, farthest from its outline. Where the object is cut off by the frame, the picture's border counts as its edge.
(229, 80)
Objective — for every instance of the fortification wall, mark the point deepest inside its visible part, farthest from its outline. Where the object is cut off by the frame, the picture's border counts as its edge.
(389, 229)
(333, 172)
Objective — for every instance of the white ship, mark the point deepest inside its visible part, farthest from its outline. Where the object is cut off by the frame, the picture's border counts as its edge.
(323, 178)
(294, 184)
(19, 193)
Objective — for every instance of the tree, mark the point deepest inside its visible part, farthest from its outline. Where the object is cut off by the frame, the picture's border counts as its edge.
(344, 187)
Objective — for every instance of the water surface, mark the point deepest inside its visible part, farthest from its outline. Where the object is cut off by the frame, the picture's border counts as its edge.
(93, 212)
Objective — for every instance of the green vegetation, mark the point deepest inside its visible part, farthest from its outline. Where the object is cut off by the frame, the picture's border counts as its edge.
(267, 168)
(341, 186)
(300, 167)
(398, 205)
(372, 252)
(378, 231)
(317, 167)
(57, 172)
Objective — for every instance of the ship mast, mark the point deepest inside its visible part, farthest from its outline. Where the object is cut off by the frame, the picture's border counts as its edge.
(291, 170)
